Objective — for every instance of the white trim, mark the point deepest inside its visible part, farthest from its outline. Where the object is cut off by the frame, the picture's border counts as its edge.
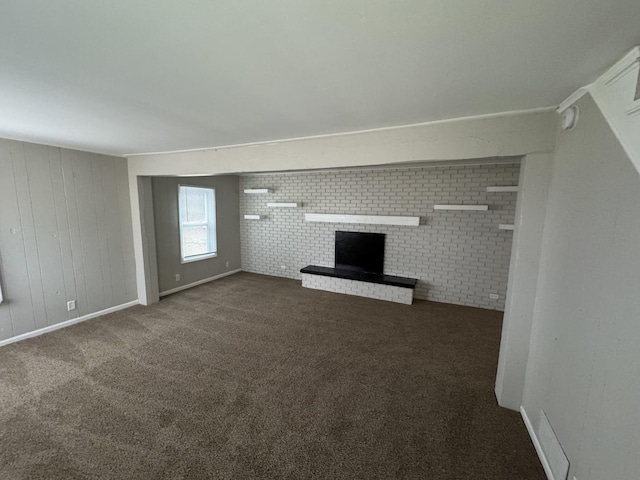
(615, 73)
(615, 100)
(367, 219)
(536, 444)
(196, 258)
(509, 113)
(211, 223)
(635, 109)
(505, 226)
(618, 125)
(283, 205)
(199, 282)
(67, 323)
(461, 207)
(386, 166)
(622, 66)
(573, 98)
(511, 188)
(196, 175)
(39, 141)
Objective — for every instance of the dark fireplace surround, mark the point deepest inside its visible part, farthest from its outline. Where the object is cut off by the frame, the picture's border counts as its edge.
(360, 257)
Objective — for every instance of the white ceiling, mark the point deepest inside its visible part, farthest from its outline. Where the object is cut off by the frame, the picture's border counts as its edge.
(133, 76)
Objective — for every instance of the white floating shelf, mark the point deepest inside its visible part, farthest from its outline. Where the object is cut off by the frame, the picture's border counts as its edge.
(258, 190)
(368, 219)
(461, 207)
(511, 188)
(504, 226)
(283, 205)
(253, 217)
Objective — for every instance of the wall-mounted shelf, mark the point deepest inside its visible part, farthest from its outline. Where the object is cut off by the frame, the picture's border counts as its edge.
(461, 207)
(505, 226)
(258, 190)
(253, 217)
(283, 205)
(510, 188)
(367, 219)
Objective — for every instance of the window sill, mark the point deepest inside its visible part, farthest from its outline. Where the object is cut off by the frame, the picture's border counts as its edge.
(198, 257)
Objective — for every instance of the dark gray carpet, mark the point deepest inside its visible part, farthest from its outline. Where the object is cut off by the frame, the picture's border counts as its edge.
(255, 377)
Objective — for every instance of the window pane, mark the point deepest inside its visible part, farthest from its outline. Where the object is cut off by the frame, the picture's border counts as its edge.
(195, 205)
(195, 241)
(197, 210)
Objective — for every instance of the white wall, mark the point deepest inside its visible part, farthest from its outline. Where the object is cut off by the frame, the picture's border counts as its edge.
(584, 362)
(531, 208)
(65, 235)
(458, 257)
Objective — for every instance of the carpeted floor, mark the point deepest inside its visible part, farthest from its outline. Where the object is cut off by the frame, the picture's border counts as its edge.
(254, 377)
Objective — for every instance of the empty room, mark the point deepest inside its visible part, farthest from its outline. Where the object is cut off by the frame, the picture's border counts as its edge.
(390, 239)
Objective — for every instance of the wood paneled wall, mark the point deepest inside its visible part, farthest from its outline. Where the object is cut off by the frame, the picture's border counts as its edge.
(65, 234)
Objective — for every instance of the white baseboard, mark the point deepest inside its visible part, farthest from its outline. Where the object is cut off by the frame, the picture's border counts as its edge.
(536, 444)
(67, 323)
(199, 282)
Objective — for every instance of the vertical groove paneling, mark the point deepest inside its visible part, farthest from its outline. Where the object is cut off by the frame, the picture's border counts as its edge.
(17, 296)
(25, 210)
(103, 230)
(113, 233)
(88, 223)
(74, 233)
(6, 329)
(46, 233)
(65, 234)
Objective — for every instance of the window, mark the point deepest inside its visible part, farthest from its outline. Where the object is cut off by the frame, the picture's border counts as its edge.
(197, 209)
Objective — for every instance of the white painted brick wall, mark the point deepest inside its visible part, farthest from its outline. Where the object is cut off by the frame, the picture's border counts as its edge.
(362, 289)
(458, 257)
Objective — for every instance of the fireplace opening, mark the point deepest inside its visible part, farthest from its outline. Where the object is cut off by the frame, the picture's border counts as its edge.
(360, 252)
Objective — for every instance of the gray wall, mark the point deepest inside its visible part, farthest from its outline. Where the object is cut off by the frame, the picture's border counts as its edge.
(65, 234)
(584, 363)
(165, 208)
(459, 257)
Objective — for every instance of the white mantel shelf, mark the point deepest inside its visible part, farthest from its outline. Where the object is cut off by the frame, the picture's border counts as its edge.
(282, 205)
(461, 207)
(366, 219)
(510, 188)
(258, 190)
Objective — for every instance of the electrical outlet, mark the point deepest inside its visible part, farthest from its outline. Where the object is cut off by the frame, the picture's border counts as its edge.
(283, 267)
(177, 277)
(71, 305)
(494, 296)
(227, 264)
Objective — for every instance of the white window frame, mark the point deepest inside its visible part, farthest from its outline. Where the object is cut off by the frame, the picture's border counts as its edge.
(211, 224)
